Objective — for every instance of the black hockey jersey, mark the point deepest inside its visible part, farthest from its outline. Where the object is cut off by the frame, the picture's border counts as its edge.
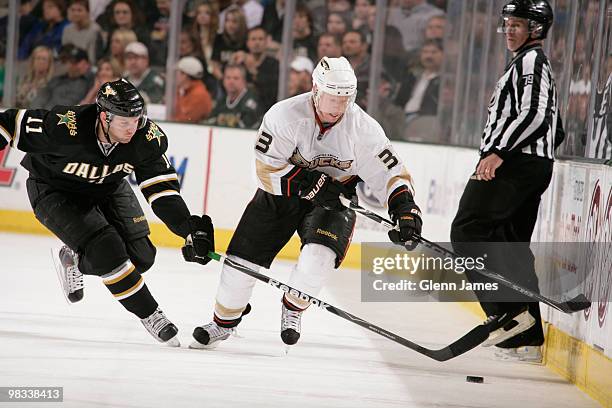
(62, 150)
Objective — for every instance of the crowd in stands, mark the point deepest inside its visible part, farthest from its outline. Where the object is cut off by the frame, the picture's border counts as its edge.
(229, 52)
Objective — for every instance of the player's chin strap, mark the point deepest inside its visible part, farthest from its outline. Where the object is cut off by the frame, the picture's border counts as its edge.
(580, 302)
(107, 121)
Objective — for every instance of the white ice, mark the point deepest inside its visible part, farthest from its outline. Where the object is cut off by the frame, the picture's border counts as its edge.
(103, 357)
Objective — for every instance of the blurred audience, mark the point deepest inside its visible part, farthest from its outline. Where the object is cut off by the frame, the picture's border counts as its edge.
(435, 28)
(26, 21)
(304, 40)
(68, 88)
(361, 14)
(232, 39)
(159, 34)
(252, 10)
(119, 41)
(138, 72)
(192, 102)
(105, 72)
(125, 15)
(320, 13)
(204, 27)
(337, 24)
(239, 108)
(272, 22)
(262, 70)
(38, 74)
(46, 31)
(82, 32)
(419, 92)
(411, 19)
(355, 49)
(300, 76)
(329, 45)
(388, 114)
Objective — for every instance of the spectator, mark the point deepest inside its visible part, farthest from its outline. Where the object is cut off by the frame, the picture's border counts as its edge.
(193, 102)
(231, 40)
(204, 27)
(239, 108)
(304, 40)
(355, 49)
(119, 41)
(361, 14)
(272, 22)
(435, 28)
(418, 95)
(159, 34)
(262, 70)
(411, 19)
(106, 72)
(329, 46)
(126, 16)
(39, 73)
(337, 24)
(252, 10)
(47, 31)
(82, 32)
(189, 46)
(26, 22)
(148, 82)
(389, 115)
(68, 88)
(300, 76)
(394, 55)
(320, 14)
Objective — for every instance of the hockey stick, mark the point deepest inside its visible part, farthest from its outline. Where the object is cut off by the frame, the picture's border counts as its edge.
(580, 302)
(467, 342)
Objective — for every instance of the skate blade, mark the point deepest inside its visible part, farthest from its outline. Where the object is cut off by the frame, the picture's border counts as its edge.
(524, 320)
(58, 273)
(195, 345)
(525, 354)
(173, 342)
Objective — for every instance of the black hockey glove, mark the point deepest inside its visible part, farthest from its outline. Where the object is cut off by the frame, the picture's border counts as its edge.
(200, 240)
(321, 190)
(407, 216)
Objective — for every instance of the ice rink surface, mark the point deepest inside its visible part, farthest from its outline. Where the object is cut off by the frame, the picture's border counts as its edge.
(103, 356)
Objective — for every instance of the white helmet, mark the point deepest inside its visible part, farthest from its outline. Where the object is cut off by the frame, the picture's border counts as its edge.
(334, 76)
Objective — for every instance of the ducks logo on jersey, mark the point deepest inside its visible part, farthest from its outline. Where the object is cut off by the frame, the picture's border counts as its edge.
(321, 160)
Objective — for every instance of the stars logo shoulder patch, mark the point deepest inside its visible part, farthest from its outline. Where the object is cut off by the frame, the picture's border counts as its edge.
(154, 133)
(68, 119)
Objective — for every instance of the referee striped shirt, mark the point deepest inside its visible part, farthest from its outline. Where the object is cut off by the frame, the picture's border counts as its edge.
(523, 111)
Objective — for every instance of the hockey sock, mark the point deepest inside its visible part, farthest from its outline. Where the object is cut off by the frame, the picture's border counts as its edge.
(128, 287)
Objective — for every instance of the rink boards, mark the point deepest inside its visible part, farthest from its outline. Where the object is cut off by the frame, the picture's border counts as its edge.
(216, 170)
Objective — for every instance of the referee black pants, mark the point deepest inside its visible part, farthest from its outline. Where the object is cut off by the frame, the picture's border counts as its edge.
(497, 217)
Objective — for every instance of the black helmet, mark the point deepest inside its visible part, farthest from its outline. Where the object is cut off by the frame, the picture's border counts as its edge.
(120, 98)
(537, 12)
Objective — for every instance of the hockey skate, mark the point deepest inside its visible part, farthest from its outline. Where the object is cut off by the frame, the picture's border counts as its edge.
(527, 354)
(66, 263)
(210, 335)
(507, 325)
(162, 329)
(291, 321)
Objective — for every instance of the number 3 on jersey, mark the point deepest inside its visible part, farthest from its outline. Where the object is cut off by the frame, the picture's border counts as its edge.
(264, 142)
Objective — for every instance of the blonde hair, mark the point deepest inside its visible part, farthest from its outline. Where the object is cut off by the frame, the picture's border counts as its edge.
(125, 37)
(214, 22)
(30, 75)
(241, 34)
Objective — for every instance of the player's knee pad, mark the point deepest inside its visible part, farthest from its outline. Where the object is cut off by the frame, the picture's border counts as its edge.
(102, 253)
(235, 288)
(332, 229)
(142, 253)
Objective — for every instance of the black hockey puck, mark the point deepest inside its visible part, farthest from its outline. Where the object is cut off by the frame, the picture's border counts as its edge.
(474, 379)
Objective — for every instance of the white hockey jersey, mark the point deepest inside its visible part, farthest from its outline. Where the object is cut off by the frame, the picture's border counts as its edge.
(356, 145)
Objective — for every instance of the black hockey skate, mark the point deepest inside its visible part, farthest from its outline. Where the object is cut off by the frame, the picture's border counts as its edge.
(291, 321)
(71, 279)
(162, 329)
(210, 335)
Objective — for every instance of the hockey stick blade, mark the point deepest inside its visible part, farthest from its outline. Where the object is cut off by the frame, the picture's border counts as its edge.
(576, 304)
(465, 343)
